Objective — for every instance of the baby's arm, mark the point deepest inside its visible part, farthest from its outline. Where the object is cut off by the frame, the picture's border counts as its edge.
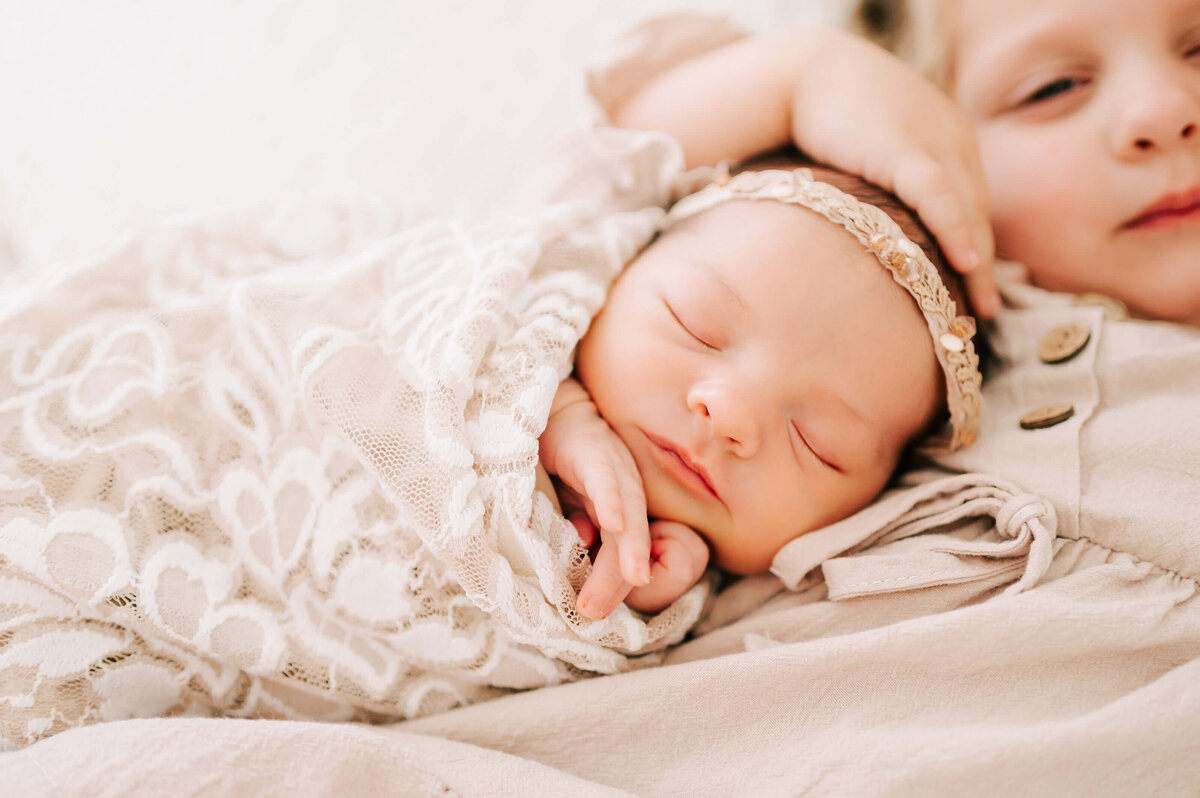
(602, 495)
(844, 102)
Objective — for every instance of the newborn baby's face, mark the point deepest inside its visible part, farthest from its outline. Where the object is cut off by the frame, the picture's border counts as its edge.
(765, 372)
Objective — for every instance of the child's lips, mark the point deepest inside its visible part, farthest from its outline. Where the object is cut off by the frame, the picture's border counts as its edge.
(678, 464)
(1172, 209)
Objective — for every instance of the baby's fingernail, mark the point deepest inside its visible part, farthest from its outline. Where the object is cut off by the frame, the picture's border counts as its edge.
(590, 609)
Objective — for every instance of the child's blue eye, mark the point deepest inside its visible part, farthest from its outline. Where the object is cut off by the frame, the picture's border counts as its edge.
(1052, 89)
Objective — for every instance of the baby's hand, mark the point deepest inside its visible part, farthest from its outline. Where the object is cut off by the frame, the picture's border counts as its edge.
(602, 495)
(678, 557)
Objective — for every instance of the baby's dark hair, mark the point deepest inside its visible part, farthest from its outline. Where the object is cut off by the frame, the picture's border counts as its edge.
(909, 223)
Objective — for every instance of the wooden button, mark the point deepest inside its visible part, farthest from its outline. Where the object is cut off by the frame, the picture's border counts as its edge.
(1114, 309)
(1065, 342)
(1047, 416)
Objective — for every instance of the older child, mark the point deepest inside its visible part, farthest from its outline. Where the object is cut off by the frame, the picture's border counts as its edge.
(1087, 116)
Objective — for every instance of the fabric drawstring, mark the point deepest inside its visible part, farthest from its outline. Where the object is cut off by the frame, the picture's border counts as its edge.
(1029, 517)
(948, 530)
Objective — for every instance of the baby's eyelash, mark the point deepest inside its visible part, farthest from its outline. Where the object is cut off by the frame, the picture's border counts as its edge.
(685, 328)
(812, 451)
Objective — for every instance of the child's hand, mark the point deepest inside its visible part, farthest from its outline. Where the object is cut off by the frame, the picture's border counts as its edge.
(678, 557)
(603, 495)
(846, 103)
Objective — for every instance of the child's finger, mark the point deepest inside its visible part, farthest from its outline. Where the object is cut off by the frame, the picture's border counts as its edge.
(955, 216)
(604, 588)
(985, 297)
(980, 279)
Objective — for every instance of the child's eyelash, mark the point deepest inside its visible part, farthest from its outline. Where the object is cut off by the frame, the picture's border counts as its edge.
(1052, 89)
(685, 328)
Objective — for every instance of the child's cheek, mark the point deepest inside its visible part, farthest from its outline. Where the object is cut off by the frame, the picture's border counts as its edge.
(1036, 181)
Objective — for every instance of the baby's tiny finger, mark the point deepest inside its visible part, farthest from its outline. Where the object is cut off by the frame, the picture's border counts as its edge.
(602, 487)
(635, 555)
(635, 539)
(584, 527)
(604, 588)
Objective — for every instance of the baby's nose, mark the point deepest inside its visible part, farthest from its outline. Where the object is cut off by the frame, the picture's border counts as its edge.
(733, 414)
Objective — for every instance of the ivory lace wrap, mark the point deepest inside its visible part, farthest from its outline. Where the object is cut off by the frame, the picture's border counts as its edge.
(283, 464)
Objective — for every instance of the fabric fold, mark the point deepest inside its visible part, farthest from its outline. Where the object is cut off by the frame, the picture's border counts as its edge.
(944, 530)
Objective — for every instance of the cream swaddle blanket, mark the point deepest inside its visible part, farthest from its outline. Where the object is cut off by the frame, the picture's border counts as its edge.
(283, 464)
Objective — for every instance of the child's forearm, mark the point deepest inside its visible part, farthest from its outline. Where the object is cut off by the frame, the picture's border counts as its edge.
(846, 103)
(738, 100)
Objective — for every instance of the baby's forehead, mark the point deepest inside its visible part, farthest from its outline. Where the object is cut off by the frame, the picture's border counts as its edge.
(786, 246)
(785, 273)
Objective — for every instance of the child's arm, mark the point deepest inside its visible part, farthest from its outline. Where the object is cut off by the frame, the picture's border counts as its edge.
(590, 459)
(844, 102)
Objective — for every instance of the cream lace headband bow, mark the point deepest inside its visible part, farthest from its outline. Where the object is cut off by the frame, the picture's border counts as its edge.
(903, 259)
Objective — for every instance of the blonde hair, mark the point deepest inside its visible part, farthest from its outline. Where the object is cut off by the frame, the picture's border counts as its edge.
(918, 32)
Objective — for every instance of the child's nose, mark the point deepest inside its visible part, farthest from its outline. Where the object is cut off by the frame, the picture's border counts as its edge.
(732, 413)
(1161, 119)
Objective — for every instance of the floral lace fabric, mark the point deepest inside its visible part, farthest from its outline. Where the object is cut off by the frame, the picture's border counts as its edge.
(282, 464)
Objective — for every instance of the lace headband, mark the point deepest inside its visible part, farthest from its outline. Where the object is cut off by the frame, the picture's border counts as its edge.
(903, 259)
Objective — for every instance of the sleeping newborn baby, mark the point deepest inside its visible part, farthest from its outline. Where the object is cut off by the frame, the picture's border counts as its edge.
(754, 375)
(284, 463)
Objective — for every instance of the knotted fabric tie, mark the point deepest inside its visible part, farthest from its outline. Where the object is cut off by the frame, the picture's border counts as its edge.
(951, 530)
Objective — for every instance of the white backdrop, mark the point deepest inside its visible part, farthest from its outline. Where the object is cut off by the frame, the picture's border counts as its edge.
(118, 112)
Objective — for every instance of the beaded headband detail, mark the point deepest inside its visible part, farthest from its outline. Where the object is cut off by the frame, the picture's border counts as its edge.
(905, 261)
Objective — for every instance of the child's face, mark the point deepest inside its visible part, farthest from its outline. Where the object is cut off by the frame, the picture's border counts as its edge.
(1088, 118)
(765, 372)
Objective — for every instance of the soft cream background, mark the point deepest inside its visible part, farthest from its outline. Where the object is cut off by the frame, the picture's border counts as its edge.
(118, 112)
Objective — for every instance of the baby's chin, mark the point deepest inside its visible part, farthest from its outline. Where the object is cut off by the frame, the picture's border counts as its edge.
(741, 564)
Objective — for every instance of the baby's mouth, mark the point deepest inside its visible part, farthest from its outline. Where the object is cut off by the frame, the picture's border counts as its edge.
(685, 470)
